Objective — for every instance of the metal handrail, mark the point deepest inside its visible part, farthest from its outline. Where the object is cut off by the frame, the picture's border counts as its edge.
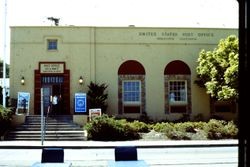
(46, 120)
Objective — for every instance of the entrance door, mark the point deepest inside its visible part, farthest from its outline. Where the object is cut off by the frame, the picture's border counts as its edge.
(57, 90)
(52, 84)
(53, 87)
(47, 93)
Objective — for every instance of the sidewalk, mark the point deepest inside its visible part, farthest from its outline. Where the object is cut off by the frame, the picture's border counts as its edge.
(112, 144)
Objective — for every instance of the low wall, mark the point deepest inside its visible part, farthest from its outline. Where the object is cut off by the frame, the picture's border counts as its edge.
(80, 119)
(17, 119)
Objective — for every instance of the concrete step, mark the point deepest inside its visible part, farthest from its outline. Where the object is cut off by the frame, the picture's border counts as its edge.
(47, 132)
(51, 135)
(59, 125)
(57, 128)
(47, 129)
(47, 139)
(65, 118)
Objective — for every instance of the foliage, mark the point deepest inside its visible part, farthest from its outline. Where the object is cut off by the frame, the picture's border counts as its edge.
(164, 127)
(191, 127)
(1, 69)
(140, 126)
(97, 98)
(214, 129)
(6, 97)
(178, 135)
(218, 69)
(219, 129)
(106, 128)
(5, 119)
(1, 95)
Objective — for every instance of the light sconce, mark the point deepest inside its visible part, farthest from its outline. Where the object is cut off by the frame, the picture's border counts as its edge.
(80, 80)
(22, 80)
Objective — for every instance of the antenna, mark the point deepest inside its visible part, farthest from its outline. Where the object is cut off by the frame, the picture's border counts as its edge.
(55, 20)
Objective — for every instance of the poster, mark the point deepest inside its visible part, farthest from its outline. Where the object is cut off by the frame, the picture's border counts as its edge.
(23, 100)
(80, 103)
(94, 112)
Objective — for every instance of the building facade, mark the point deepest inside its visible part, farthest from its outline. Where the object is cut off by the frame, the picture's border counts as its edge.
(147, 70)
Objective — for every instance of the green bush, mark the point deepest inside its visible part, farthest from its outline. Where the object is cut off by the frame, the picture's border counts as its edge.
(140, 126)
(178, 135)
(105, 128)
(163, 127)
(97, 96)
(220, 129)
(190, 127)
(214, 129)
(5, 119)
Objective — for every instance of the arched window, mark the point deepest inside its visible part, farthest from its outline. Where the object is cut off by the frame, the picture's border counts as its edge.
(177, 87)
(131, 87)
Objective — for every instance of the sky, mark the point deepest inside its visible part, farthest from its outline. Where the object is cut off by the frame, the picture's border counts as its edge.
(121, 13)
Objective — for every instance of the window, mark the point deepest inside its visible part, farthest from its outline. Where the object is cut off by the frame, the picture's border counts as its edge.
(177, 81)
(52, 44)
(131, 88)
(131, 92)
(177, 92)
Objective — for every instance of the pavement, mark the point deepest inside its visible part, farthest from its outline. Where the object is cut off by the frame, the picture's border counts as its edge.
(112, 144)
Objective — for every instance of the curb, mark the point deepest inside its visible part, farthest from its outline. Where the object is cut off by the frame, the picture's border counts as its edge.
(111, 145)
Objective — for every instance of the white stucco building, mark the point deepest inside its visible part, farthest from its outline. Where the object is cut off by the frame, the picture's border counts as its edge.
(141, 66)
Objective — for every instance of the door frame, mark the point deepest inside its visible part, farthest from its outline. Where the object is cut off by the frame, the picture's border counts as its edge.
(38, 85)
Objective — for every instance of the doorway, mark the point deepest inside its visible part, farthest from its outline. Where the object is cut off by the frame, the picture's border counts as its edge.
(53, 88)
(50, 91)
(52, 85)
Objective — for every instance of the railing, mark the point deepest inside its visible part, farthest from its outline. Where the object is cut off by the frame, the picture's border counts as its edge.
(45, 121)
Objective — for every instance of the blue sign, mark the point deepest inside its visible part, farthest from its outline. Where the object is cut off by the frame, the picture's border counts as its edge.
(23, 101)
(80, 103)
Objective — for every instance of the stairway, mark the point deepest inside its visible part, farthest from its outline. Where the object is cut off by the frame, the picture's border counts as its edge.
(58, 128)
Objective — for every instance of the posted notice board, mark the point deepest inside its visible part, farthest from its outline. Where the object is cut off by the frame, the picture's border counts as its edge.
(80, 103)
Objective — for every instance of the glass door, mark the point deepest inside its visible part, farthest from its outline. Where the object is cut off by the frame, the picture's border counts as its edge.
(47, 93)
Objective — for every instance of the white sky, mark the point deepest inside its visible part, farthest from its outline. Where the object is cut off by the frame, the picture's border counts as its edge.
(141, 13)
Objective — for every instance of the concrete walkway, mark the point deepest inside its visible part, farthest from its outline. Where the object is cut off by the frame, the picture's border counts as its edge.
(112, 144)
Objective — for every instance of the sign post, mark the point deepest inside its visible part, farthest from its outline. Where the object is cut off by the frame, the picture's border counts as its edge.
(80, 103)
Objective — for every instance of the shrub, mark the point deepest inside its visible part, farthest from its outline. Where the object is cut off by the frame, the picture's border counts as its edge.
(106, 128)
(220, 129)
(163, 127)
(140, 126)
(178, 135)
(97, 96)
(110, 129)
(5, 119)
(191, 127)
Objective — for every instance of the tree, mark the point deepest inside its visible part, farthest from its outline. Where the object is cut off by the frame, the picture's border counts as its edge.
(1, 69)
(97, 98)
(218, 69)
